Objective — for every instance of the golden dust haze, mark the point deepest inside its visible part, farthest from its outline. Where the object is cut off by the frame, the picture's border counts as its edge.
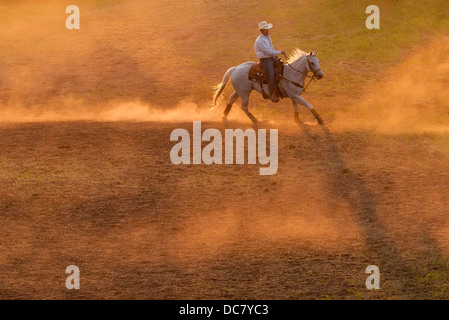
(413, 96)
(132, 60)
(86, 177)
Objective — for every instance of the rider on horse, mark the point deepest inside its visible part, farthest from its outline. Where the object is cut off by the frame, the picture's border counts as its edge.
(267, 55)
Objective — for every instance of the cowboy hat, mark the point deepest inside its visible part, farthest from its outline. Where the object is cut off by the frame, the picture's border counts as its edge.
(265, 25)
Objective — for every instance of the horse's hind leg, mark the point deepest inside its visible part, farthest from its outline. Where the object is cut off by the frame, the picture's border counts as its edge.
(234, 97)
(295, 113)
(245, 101)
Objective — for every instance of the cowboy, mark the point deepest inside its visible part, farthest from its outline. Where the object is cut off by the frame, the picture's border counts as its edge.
(267, 56)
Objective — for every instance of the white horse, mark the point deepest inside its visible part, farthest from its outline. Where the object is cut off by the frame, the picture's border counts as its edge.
(292, 83)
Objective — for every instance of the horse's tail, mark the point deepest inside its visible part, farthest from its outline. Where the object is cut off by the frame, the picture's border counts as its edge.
(220, 87)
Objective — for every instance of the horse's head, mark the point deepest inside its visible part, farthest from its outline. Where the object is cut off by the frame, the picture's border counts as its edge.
(313, 65)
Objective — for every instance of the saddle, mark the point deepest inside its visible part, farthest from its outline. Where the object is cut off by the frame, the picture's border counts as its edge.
(257, 74)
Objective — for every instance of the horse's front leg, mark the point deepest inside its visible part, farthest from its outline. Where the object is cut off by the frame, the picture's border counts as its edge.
(303, 102)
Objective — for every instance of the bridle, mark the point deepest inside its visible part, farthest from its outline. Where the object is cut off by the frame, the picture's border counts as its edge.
(313, 77)
(311, 69)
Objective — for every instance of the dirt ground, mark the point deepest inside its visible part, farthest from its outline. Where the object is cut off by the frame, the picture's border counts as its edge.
(86, 177)
(105, 197)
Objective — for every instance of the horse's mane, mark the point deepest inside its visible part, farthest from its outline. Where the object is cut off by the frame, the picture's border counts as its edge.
(297, 54)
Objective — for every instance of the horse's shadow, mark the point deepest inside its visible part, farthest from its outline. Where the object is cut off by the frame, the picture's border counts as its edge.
(348, 186)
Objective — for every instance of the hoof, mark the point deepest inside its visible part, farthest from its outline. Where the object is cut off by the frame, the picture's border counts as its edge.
(296, 117)
(257, 123)
(317, 116)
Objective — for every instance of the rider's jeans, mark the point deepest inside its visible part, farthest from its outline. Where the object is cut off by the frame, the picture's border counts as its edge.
(268, 67)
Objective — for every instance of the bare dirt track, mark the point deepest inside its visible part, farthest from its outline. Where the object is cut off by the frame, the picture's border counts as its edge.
(105, 196)
(86, 176)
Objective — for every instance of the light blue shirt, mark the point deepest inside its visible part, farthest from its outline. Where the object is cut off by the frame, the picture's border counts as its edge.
(264, 47)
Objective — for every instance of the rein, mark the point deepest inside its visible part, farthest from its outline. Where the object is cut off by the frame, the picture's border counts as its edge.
(306, 74)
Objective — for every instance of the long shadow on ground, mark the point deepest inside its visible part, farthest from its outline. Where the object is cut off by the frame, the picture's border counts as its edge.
(353, 190)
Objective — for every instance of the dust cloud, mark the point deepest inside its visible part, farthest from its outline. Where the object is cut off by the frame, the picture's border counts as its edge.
(412, 97)
(135, 69)
(71, 109)
(109, 70)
